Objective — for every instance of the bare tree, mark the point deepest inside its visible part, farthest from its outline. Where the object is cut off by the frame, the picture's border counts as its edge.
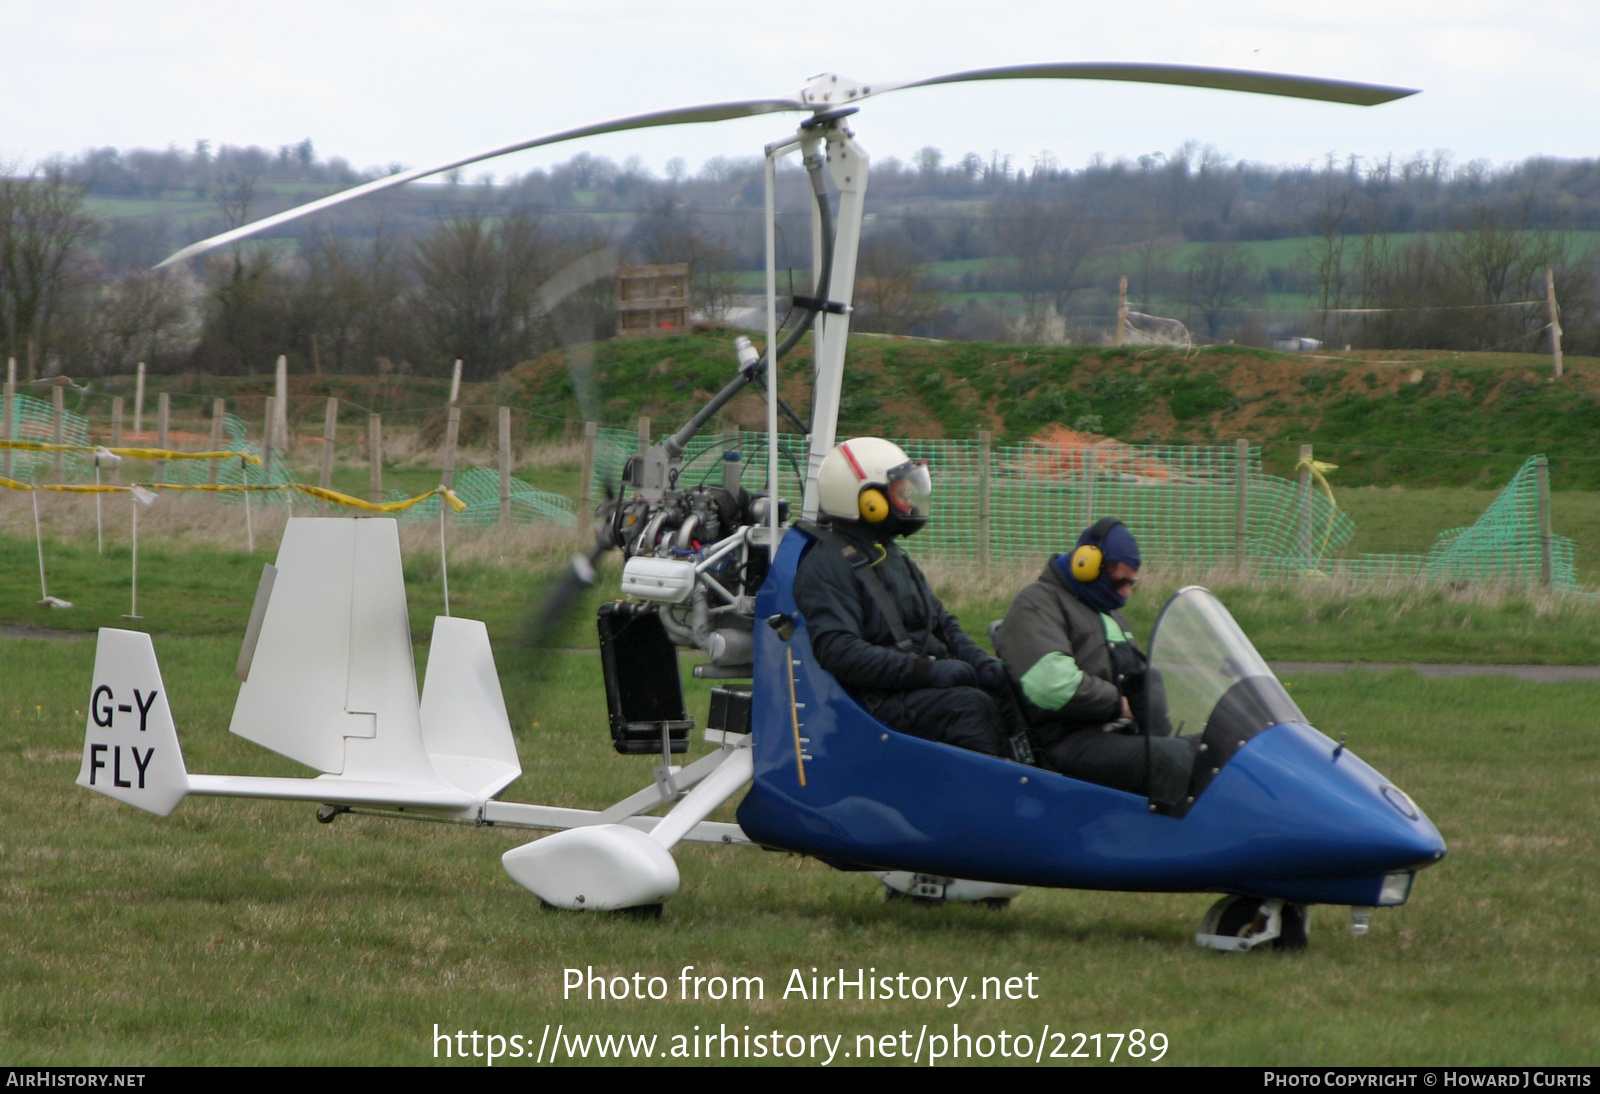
(1325, 249)
(146, 315)
(247, 296)
(44, 234)
(478, 283)
(1050, 244)
(1222, 278)
(1479, 287)
(889, 296)
(354, 298)
(668, 234)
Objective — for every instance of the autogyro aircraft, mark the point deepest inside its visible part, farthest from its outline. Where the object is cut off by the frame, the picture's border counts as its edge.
(1276, 818)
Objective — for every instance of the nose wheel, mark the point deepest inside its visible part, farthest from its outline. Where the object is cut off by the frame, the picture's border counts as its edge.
(1236, 924)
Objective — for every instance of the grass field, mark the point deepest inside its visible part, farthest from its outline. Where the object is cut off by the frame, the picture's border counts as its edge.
(243, 932)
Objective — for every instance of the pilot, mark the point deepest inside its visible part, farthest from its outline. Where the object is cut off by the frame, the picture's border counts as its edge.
(874, 622)
(1092, 705)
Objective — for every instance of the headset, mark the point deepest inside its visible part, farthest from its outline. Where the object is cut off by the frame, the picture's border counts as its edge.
(1086, 560)
(874, 506)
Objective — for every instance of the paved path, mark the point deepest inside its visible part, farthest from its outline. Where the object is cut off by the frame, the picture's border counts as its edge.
(17, 630)
(1539, 674)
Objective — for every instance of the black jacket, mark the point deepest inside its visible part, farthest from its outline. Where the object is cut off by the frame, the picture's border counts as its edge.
(1056, 651)
(849, 635)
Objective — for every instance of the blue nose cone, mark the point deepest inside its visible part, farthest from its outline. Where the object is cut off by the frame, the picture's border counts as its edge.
(1300, 807)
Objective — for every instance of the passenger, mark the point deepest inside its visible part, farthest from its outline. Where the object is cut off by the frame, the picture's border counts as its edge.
(1094, 708)
(874, 623)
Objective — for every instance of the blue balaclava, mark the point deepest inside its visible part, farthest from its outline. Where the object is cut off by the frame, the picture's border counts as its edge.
(1118, 546)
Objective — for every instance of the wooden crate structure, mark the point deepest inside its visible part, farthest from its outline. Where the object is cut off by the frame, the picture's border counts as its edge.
(652, 299)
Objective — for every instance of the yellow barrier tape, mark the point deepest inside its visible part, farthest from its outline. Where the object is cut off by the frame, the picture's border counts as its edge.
(254, 487)
(131, 453)
(382, 506)
(1317, 469)
(65, 488)
(315, 491)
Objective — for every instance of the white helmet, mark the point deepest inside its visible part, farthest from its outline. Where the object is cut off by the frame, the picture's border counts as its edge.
(871, 480)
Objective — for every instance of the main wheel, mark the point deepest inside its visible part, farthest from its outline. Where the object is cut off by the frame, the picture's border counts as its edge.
(1296, 931)
(1239, 923)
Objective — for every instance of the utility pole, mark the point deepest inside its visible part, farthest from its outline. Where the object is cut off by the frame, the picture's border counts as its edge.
(1122, 310)
(1555, 322)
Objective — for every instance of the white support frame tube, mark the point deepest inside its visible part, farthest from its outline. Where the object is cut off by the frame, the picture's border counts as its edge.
(771, 183)
(848, 165)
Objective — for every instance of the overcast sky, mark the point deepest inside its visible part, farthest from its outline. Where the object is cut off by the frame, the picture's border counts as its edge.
(420, 82)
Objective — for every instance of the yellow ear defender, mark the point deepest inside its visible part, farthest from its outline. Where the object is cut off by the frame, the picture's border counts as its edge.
(874, 506)
(1086, 562)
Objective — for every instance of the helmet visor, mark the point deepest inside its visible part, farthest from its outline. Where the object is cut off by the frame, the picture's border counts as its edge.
(910, 490)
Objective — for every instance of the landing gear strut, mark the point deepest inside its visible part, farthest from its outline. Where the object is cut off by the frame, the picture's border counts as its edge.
(931, 889)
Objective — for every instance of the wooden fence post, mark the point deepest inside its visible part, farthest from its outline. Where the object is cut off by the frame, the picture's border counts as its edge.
(505, 464)
(1555, 321)
(1541, 470)
(7, 414)
(452, 430)
(219, 414)
(1241, 510)
(330, 429)
(266, 439)
(455, 384)
(985, 439)
(644, 435)
(375, 457)
(138, 402)
(1303, 478)
(1089, 455)
(280, 422)
(1122, 310)
(586, 477)
(163, 431)
(116, 436)
(58, 428)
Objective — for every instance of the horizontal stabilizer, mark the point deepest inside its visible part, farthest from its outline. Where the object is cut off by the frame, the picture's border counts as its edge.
(130, 746)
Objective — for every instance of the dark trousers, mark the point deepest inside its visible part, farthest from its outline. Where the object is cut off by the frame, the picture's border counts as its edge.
(964, 717)
(1155, 766)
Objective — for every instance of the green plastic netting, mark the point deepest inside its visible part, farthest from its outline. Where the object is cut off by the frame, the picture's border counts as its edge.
(34, 420)
(1191, 506)
(479, 488)
(1504, 545)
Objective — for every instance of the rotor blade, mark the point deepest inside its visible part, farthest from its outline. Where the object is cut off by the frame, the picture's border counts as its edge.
(683, 115)
(1223, 79)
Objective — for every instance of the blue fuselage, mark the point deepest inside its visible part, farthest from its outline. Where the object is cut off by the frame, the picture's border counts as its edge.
(1289, 816)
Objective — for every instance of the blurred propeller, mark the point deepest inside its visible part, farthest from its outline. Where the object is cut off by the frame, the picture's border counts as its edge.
(566, 590)
(830, 92)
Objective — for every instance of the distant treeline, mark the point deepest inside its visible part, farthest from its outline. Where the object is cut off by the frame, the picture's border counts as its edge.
(1424, 252)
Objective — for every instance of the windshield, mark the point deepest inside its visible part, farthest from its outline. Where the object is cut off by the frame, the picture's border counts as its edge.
(1203, 658)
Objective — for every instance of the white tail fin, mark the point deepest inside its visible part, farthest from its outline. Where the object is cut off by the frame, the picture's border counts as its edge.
(130, 746)
(464, 725)
(332, 682)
